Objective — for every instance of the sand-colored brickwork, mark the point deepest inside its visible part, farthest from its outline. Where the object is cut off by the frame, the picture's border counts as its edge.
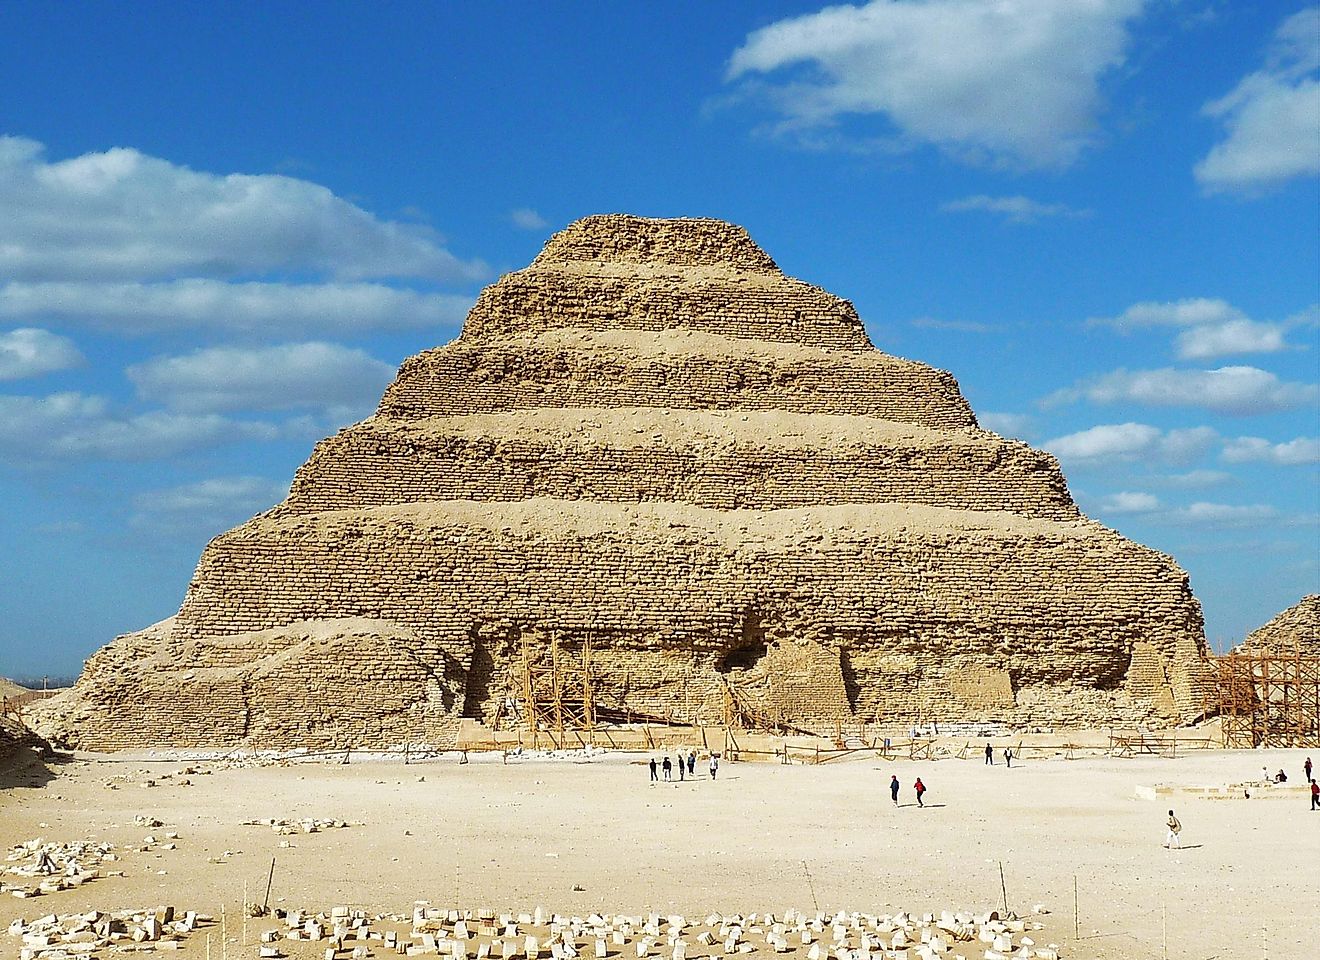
(1296, 629)
(653, 451)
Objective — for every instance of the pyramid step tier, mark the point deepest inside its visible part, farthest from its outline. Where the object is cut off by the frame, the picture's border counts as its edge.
(663, 591)
(758, 460)
(620, 239)
(773, 308)
(673, 369)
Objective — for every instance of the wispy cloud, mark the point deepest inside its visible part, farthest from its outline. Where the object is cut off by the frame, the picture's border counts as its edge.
(203, 507)
(1272, 117)
(957, 326)
(1233, 391)
(337, 380)
(76, 426)
(28, 352)
(1005, 82)
(525, 218)
(1126, 502)
(1006, 424)
(1193, 479)
(252, 309)
(1017, 209)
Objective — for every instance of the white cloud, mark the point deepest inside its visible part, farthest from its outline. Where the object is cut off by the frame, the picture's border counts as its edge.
(1195, 478)
(1234, 391)
(123, 215)
(1272, 117)
(1006, 424)
(1012, 81)
(1125, 502)
(243, 309)
(526, 218)
(1225, 339)
(1221, 515)
(1210, 327)
(1191, 312)
(1302, 450)
(958, 326)
(1127, 442)
(27, 352)
(319, 376)
(205, 506)
(1014, 209)
(76, 426)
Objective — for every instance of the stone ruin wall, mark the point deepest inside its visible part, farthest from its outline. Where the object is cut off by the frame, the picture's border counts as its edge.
(853, 549)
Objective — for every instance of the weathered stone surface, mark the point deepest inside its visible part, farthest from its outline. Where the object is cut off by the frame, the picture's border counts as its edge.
(1297, 629)
(653, 445)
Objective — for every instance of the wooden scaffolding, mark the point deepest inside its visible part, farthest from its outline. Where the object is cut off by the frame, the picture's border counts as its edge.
(1268, 699)
(557, 697)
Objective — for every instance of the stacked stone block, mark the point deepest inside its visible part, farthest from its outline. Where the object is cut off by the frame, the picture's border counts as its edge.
(654, 446)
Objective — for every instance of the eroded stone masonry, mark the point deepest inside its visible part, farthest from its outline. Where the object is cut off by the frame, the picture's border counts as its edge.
(653, 444)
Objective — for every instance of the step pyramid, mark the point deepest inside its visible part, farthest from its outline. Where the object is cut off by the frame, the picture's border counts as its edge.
(694, 482)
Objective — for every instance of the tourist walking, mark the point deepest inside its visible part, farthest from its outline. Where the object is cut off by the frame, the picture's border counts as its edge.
(921, 789)
(681, 767)
(1307, 767)
(692, 764)
(1315, 795)
(989, 755)
(668, 766)
(1175, 828)
(1008, 757)
(893, 788)
(714, 764)
(654, 776)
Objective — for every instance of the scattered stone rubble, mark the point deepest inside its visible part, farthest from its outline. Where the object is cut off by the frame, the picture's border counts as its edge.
(305, 825)
(487, 935)
(65, 936)
(49, 867)
(45, 867)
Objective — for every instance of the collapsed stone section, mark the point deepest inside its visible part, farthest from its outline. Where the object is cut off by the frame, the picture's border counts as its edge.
(654, 451)
(671, 370)
(762, 460)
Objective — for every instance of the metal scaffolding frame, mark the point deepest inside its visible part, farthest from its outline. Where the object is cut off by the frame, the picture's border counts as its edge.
(1268, 699)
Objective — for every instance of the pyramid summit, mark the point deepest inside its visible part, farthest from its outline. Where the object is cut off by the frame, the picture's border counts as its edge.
(652, 452)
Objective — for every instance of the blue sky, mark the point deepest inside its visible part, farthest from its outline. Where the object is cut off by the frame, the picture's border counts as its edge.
(223, 226)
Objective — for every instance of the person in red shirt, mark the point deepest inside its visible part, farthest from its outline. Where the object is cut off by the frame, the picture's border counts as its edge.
(920, 788)
(1315, 795)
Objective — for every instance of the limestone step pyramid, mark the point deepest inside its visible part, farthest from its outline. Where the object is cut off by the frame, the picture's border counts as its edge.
(696, 484)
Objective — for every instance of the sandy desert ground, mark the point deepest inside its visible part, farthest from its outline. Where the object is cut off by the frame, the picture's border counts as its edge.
(578, 837)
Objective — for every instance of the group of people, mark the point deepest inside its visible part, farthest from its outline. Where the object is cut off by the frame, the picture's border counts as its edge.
(1171, 840)
(686, 763)
(919, 787)
(990, 755)
(1282, 777)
